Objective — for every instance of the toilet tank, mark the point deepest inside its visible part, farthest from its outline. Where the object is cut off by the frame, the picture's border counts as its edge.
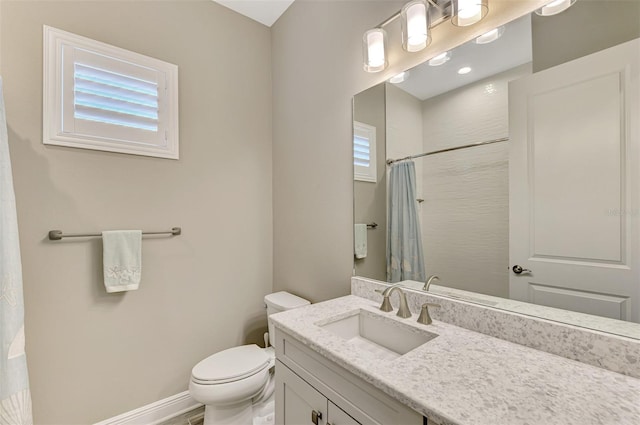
(281, 301)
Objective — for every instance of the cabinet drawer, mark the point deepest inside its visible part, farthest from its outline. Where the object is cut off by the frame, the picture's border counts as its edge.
(361, 400)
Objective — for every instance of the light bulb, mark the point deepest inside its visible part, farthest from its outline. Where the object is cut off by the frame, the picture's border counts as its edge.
(555, 7)
(415, 25)
(464, 70)
(397, 79)
(440, 59)
(490, 36)
(468, 12)
(374, 50)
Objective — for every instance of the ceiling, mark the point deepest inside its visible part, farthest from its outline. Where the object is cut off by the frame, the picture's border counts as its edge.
(266, 12)
(509, 51)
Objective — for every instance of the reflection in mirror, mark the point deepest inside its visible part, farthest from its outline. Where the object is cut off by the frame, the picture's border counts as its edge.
(508, 168)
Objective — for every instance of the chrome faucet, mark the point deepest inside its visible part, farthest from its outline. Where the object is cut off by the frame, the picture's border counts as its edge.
(429, 281)
(403, 310)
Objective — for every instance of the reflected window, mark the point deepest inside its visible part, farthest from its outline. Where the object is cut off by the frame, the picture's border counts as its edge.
(364, 152)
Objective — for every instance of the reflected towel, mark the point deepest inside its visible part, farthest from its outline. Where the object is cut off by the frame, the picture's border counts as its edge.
(122, 259)
(360, 239)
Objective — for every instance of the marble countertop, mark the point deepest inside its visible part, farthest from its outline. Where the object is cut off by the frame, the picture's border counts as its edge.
(467, 378)
(603, 324)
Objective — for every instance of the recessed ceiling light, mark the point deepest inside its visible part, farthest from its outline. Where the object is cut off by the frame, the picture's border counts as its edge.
(399, 78)
(555, 7)
(490, 36)
(464, 70)
(440, 59)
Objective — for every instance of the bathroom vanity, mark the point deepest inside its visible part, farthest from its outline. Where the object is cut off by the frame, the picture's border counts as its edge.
(326, 374)
(311, 387)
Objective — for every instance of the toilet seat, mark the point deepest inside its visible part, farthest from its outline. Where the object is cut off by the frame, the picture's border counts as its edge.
(231, 365)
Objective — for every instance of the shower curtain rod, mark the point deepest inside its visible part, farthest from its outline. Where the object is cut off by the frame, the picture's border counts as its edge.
(488, 142)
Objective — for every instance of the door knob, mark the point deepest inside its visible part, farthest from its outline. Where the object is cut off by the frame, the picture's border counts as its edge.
(518, 269)
(316, 416)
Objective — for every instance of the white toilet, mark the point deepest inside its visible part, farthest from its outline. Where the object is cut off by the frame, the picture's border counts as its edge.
(236, 385)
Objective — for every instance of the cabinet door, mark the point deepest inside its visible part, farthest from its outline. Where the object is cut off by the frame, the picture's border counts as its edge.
(337, 416)
(297, 402)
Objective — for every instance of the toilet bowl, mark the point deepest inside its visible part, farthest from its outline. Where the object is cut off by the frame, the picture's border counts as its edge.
(236, 385)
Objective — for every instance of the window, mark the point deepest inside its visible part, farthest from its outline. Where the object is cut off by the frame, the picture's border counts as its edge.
(364, 152)
(98, 96)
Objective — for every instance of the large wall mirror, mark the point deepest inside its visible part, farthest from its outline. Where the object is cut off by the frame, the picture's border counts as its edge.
(509, 169)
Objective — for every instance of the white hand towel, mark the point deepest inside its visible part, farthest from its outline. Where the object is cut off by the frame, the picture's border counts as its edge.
(360, 240)
(122, 259)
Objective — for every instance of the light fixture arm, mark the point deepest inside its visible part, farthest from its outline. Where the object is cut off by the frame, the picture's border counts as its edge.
(441, 11)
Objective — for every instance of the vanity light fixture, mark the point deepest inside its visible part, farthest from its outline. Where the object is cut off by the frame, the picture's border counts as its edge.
(374, 50)
(555, 7)
(414, 18)
(464, 70)
(441, 59)
(417, 18)
(490, 36)
(468, 12)
(397, 79)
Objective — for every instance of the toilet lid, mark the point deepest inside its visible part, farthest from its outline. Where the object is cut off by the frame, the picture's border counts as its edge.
(231, 365)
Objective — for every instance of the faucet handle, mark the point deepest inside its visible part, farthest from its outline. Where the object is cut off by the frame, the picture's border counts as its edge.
(386, 304)
(425, 317)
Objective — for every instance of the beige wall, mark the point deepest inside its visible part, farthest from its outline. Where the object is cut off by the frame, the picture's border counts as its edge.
(589, 26)
(94, 355)
(317, 68)
(369, 199)
(404, 127)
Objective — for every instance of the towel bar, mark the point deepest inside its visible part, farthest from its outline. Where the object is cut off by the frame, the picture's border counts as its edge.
(56, 235)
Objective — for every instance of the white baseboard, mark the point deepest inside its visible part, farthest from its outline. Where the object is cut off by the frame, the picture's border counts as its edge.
(157, 412)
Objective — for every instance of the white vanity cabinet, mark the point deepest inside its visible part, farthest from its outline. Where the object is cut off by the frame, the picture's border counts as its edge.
(311, 389)
(303, 404)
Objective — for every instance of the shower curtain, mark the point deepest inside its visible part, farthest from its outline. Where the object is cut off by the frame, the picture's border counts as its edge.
(405, 260)
(15, 398)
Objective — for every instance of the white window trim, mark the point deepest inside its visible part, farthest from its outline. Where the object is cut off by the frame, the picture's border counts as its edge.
(54, 40)
(369, 132)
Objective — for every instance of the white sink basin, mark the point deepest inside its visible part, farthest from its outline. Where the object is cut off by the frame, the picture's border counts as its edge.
(377, 334)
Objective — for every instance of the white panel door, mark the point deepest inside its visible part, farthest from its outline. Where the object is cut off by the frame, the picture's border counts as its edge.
(574, 185)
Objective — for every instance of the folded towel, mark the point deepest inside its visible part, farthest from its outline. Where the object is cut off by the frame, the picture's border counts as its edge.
(360, 239)
(122, 259)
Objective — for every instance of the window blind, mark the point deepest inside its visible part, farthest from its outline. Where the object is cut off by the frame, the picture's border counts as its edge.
(102, 97)
(361, 151)
(112, 98)
(364, 152)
